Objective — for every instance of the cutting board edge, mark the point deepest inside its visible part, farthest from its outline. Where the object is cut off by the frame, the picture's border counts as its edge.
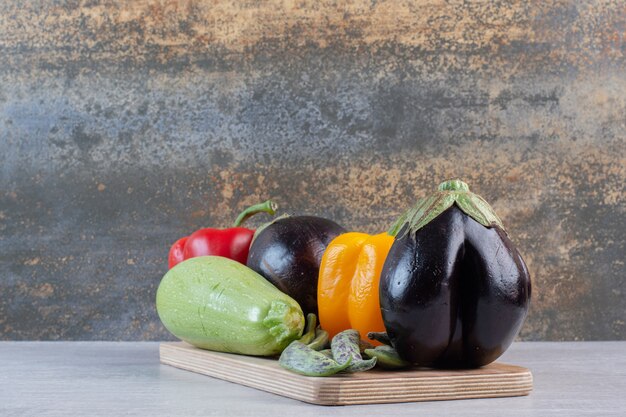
(334, 391)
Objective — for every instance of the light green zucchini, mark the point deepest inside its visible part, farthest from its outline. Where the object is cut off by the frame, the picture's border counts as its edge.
(218, 304)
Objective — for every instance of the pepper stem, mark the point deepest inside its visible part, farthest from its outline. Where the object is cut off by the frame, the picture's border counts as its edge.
(268, 207)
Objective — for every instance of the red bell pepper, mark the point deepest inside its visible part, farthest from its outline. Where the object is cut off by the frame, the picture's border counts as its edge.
(233, 243)
(176, 254)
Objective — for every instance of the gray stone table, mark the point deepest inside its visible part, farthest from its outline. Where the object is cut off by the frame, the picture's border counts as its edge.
(123, 378)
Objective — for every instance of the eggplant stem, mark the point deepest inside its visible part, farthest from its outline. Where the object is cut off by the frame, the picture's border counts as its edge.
(453, 185)
(268, 207)
(449, 193)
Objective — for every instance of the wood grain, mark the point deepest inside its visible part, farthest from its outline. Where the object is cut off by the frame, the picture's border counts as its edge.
(372, 387)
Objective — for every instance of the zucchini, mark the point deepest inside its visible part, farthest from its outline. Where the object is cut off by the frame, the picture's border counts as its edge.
(218, 304)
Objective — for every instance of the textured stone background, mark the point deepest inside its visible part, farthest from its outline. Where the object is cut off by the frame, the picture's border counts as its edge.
(124, 125)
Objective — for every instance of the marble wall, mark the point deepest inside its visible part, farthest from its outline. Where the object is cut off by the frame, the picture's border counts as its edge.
(125, 125)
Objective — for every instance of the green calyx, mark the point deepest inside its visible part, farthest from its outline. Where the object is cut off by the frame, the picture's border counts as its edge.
(453, 185)
(264, 225)
(448, 193)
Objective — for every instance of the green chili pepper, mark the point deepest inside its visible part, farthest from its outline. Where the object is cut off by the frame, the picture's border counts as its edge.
(320, 341)
(303, 360)
(345, 347)
(309, 330)
(387, 357)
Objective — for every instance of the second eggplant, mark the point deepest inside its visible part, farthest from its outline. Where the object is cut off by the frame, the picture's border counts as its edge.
(288, 253)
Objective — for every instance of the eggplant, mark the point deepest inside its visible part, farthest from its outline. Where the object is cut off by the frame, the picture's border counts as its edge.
(454, 290)
(288, 253)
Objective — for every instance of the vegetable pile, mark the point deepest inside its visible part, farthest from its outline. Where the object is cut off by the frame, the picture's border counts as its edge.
(444, 288)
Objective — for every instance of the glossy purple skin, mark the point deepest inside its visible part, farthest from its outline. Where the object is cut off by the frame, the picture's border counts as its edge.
(288, 254)
(454, 294)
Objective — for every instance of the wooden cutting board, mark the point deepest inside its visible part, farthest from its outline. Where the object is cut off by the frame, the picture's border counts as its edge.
(371, 387)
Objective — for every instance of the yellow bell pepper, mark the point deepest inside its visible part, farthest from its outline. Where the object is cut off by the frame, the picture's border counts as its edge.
(347, 292)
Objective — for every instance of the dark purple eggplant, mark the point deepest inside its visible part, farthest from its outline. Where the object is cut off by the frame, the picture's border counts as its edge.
(454, 290)
(288, 252)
